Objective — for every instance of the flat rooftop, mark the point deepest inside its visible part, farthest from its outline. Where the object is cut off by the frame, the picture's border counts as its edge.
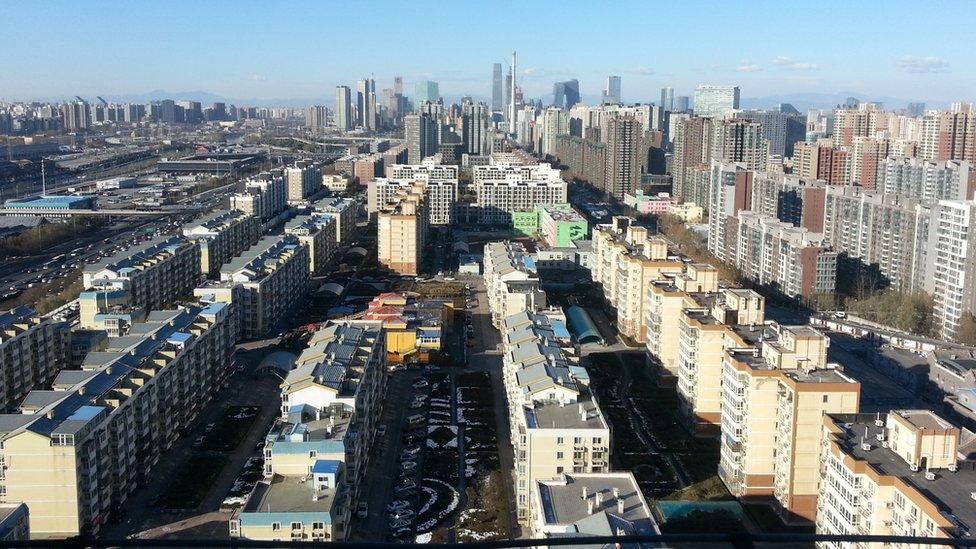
(288, 495)
(554, 415)
(924, 420)
(950, 491)
(563, 503)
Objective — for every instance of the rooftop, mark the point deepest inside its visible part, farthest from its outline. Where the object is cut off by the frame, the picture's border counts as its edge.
(950, 491)
(563, 503)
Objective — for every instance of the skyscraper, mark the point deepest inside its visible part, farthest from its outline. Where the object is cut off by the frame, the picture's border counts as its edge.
(420, 132)
(316, 118)
(624, 135)
(681, 103)
(916, 109)
(398, 85)
(740, 140)
(496, 87)
(366, 103)
(426, 90)
(611, 95)
(566, 94)
(667, 99)
(716, 101)
(474, 127)
(343, 108)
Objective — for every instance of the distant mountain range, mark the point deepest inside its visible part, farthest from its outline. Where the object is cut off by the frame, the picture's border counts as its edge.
(804, 101)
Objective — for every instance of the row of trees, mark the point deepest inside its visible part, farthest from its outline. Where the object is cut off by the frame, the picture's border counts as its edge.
(44, 236)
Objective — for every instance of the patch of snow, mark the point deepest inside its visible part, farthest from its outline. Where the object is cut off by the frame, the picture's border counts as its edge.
(430, 501)
(424, 538)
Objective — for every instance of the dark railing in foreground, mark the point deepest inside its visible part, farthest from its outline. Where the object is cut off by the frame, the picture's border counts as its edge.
(736, 540)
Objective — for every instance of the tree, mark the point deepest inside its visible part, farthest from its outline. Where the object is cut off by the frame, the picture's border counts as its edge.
(966, 332)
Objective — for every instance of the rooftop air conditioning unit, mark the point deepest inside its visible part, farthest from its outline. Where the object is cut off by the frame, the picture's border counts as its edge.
(929, 475)
(866, 446)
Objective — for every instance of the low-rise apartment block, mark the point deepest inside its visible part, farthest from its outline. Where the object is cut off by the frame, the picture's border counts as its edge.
(264, 283)
(414, 328)
(264, 196)
(33, 350)
(345, 211)
(898, 475)
(557, 426)
(221, 236)
(316, 454)
(150, 276)
(511, 281)
(318, 232)
(75, 452)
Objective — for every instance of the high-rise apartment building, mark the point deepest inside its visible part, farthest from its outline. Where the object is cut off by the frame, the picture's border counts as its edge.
(550, 123)
(264, 196)
(716, 101)
(474, 127)
(866, 120)
(623, 155)
(950, 276)
(402, 225)
(317, 118)
(421, 134)
(795, 261)
(927, 180)
(302, 180)
(730, 192)
(511, 281)
(692, 147)
(343, 108)
(667, 99)
(820, 161)
(441, 194)
(740, 140)
(949, 135)
(366, 104)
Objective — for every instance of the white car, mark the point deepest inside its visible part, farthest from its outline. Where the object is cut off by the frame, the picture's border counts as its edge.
(362, 510)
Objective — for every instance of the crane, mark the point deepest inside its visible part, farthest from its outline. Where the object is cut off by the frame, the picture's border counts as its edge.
(104, 102)
(81, 100)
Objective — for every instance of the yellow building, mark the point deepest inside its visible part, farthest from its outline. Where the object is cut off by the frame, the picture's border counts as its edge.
(402, 231)
(771, 422)
(898, 475)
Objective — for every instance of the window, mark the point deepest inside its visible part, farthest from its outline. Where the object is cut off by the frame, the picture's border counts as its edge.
(559, 455)
(275, 526)
(825, 399)
(559, 470)
(296, 526)
(318, 526)
(597, 440)
(311, 453)
(559, 440)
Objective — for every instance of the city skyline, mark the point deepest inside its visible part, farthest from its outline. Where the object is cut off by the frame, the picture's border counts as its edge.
(205, 57)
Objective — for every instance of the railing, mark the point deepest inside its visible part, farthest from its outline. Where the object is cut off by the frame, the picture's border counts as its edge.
(737, 540)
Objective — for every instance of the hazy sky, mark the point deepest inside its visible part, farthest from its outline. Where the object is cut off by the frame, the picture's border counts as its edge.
(301, 50)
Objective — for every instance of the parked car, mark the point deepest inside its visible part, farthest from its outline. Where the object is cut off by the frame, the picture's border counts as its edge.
(362, 510)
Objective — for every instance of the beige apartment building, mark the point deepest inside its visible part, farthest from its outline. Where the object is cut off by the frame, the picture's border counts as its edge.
(318, 233)
(626, 262)
(511, 281)
(557, 426)
(666, 298)
(345, 211)
(705, 331)
(265, 283)
(154, 273)
(330, 403)
(75, 452)
(774, 395)
(33, 350)
(401, 226)
(221, 236)
(902, 474)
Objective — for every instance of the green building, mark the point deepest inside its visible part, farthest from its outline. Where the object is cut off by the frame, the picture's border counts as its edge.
(558, 224)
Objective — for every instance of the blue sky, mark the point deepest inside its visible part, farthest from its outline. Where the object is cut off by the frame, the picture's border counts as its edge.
(301, 50)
